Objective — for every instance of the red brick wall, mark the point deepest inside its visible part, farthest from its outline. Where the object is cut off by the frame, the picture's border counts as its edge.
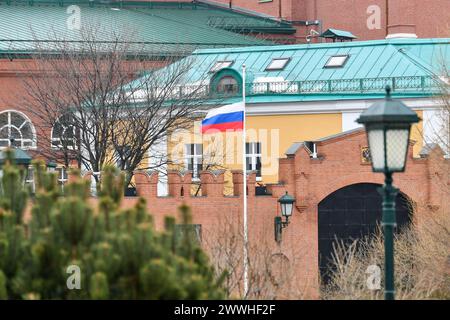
(310, 181)
(428, 18)
(14, 76)
(431, 18)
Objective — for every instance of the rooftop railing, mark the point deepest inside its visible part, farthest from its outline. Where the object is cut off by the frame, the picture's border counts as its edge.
(410, 84)
(243, 22)
(362, 85)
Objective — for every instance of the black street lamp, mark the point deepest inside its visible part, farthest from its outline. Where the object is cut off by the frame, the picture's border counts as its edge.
(388, 125)
(51, 166)
(286, 204)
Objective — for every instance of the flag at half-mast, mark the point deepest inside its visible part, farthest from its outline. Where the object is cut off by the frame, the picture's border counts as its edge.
(226, 118)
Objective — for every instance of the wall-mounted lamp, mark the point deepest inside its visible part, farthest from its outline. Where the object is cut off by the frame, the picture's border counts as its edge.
(286, 204)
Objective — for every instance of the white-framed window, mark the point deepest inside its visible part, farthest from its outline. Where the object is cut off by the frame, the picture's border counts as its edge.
(277, 64)
(227, 85)
(63, 134)
(253, 156)
(194, 159)
(337, 61)
(16, 130)
(221, 64)
(62, 176)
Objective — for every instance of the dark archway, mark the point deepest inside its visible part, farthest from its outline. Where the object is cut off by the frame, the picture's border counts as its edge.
(351, 213)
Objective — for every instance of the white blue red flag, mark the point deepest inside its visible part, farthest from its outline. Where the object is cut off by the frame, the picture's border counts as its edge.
(226, 118)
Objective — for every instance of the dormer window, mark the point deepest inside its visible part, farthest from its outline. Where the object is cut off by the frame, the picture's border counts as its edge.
(226, 82)
(220, 65)
(227, 85)
(277, 64)
(337, 61)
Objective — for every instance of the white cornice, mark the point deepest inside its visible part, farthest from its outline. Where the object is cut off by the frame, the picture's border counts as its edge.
(331, 106)
(402, 36)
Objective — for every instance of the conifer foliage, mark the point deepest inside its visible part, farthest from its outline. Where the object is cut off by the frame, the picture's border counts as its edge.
(117, 252)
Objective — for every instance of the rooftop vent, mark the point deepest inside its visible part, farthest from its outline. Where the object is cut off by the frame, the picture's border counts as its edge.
(340, 35)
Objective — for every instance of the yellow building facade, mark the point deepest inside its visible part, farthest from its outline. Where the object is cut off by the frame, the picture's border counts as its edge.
(274, 134)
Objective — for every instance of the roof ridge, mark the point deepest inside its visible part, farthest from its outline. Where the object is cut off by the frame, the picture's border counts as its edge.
(239, 10)
(153, 26)
(325, 45)
(202, 27)
(151, 5)
(417, 61)
(295, 146)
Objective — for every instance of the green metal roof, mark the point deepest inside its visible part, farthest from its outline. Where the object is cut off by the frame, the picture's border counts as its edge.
(367, 59)
(411, 66)
(160, 27)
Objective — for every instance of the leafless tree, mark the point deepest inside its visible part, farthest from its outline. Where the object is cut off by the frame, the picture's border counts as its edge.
(438, 127)
(107, 101)
(422, 265)
(273, 273)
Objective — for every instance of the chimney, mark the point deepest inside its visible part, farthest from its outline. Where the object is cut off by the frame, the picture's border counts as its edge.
(400, 19)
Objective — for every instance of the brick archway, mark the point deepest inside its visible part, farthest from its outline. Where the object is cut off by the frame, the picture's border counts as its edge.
(337, 182)
(351, 213)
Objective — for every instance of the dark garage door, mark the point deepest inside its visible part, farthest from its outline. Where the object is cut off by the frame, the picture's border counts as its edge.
(351, 213)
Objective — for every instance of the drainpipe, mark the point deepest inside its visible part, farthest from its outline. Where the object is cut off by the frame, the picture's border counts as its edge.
(400, 19)
(280, 9)
(387, 18)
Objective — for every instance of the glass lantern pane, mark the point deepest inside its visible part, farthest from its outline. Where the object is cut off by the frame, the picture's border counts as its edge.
(288, 209)
(397, 146)
(283, 209)
(29, 174)
(64, 174)
(376, 146)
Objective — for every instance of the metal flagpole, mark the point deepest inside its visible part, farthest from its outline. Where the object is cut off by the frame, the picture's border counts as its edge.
(244, 176)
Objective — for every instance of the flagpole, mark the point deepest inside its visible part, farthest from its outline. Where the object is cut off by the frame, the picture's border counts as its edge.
(244, 175)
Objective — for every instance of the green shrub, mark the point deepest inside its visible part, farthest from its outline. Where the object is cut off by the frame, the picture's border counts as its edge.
(118, 251)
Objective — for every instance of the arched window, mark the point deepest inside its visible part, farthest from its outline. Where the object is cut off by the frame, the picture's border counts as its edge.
(16, 130)
(227, 85)
(226, 82)
(63, 133)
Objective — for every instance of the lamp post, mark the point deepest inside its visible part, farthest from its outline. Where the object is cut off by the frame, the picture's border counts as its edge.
(286, 205)
(388, 125)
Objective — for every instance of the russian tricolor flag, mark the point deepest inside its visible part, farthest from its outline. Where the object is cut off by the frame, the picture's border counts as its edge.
(226, 118)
